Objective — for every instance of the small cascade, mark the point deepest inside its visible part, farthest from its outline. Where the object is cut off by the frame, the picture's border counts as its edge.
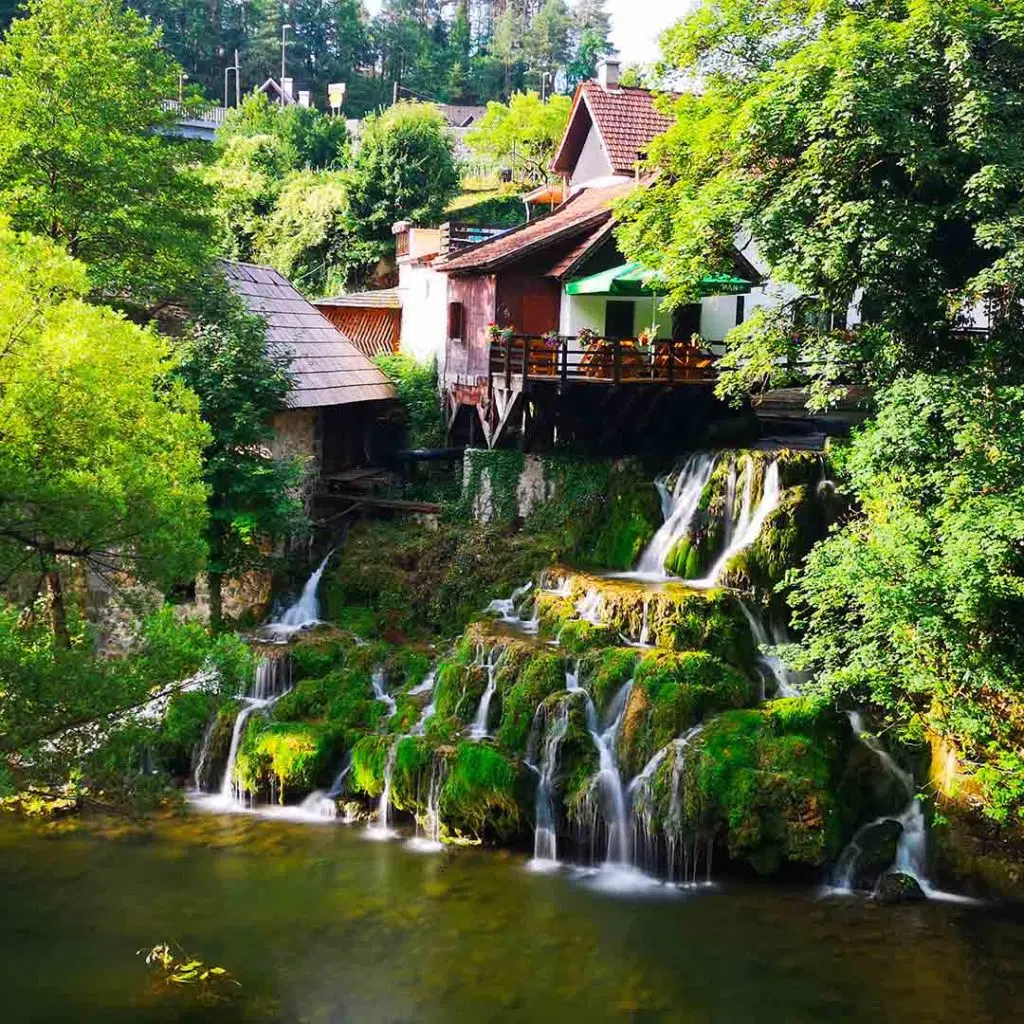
(506, 609)
(641, 794)
(645, 624)
(747, 526)
(428, 831)
(590, 607)
(608, 781)
(377, 681)
(912, 846)
(305, 612)
(787, 682)
(680, 509)
(425, 716)
(273, 677)
(551, 728)
(338, 785)
(229, 792)
(319, 804)
(379, 829)
(427, 686)
(199, 775)
(478, 729)
(730, 504)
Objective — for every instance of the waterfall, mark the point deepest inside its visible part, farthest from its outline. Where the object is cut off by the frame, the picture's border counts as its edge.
(608, 780)
(429, 840)
(682, 506)
(751, 519)
(478, 730)
(641, 794)
(912, 846)
(787, 682)
(379, 829)
(380, 693)
(552, 729)
(505, 608)
(199, 775)
(590, 607)
(427, 686)
(229, 793)
(305, 612)
(338, 785)
(730, 503)
(645, 625)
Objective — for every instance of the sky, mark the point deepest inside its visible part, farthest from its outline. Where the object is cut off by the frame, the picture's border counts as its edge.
(636, 25)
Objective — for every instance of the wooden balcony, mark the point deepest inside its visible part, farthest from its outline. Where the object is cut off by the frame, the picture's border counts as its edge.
(520, 360)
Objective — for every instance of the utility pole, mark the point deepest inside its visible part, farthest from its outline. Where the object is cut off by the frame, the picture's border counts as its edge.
(284, 63)
(238, 82)
(181, 86)
(394, 93)
(227, 71)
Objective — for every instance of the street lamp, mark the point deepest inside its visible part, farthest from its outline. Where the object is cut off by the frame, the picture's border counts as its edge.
(227, 71)
(182, 78)
(284, 43)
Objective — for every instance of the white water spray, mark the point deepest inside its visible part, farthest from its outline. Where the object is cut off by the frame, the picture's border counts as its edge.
(305, 612)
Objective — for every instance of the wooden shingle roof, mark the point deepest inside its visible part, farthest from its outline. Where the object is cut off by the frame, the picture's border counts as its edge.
(327, 369)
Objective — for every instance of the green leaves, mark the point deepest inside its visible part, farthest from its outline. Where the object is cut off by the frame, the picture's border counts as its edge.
(85, 152)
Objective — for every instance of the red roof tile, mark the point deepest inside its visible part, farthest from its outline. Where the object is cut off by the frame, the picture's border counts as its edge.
(626, 119)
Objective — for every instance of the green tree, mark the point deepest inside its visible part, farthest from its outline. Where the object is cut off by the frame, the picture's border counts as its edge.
(311, 237)
(100, 460)
(547, 43)
(522, 134)
(84, 152)
(252, 495)
(874, 152)
(308, 138)
(914, 606)
(405, 170)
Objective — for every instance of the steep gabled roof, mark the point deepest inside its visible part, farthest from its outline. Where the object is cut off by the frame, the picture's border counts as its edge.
(327, 368)
(578, 217)
(626, 120)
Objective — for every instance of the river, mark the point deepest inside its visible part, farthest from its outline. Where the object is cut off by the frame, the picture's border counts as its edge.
(320, 925)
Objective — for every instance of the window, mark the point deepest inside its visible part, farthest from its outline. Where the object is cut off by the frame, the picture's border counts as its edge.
(741, 309)
(618, 319)
(455, 321)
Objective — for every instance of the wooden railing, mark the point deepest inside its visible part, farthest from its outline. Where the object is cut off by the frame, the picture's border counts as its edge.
(520, 358)
(456, 236)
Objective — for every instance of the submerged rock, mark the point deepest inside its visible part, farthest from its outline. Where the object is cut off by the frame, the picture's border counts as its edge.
(897, 887)
(876, 853)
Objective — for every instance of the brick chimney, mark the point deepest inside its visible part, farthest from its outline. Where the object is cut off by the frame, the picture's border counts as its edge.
(304, 97)
(608, 73)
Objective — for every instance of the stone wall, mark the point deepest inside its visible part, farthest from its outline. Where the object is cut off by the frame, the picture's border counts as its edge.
(297, 435)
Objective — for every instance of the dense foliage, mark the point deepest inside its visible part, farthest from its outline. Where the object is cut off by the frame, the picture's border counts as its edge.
(224, 360)
(522, 134)
(85, 156)
(100, 465)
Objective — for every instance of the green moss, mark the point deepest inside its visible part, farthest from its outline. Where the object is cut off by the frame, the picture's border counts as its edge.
(294, 755)
(671, 693)
(369, 760)
(479, 795)
(766, 779)
(603, 673)
(577, 637)
(458, 689)
(492, 477)
(543, 674)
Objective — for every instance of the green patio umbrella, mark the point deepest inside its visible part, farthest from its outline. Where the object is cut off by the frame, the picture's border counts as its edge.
(634, 280)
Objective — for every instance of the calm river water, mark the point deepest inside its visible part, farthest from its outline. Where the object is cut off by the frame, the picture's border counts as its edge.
(321, 925)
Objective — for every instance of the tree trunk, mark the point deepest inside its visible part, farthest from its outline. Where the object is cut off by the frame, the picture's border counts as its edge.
(216, 582)
(57, 607)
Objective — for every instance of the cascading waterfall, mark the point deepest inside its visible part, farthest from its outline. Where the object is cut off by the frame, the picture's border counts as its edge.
(681, 507)
(506, 609)
(489, 659)
(787, 682)
(379, 829)
(641, 797)
(608, 781)
(747, 527)
(912, 845)
(377, 680)
(199, 775)
(551, 729)
(305, 612)
(428, 831)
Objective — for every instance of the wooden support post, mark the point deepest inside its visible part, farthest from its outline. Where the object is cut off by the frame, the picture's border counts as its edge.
(526, 361)
(565, 361)
(508, 362)
(617, 361)
(671, 361)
